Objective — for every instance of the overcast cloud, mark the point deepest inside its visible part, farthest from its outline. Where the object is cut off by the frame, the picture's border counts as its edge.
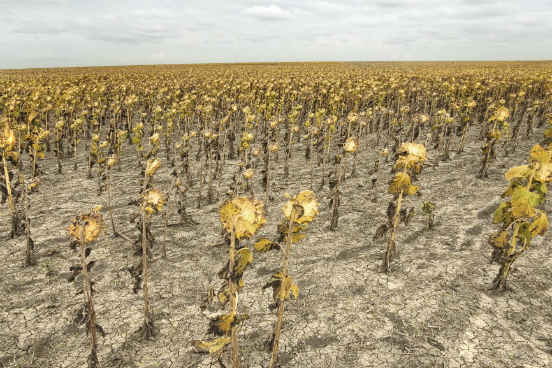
(37, 33)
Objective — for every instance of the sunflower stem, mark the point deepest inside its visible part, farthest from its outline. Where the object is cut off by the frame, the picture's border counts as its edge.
(87, 288)
(281, 299)
(233, 299)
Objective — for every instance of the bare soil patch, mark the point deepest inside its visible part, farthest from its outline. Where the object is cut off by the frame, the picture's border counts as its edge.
(433, 310)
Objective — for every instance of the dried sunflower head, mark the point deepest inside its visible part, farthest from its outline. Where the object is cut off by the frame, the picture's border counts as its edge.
(242, 214)
(154, 139)
(153, 201)
(112, 160)
(422, 118)
(33, 184)
(352, 117)
(471, 104)
(91, 224)
(152, 167)
(248, 174)
(351, 145)
(411, 155)
(122, 134)
(307, 201)
(7, 138)
(43, 134)
(415, 149)
(14, 156)
(501, 114)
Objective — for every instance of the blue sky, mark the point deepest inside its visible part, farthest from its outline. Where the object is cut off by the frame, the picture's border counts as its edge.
(44, 33)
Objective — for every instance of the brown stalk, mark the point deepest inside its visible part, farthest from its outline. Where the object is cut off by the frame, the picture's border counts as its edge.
(285, 263)
(28, 252)
(485, 164)
(267, 174)
(87, 288)
(233, 297)
(391, 242)
(8, 185)
(148, 324)
(501, 278)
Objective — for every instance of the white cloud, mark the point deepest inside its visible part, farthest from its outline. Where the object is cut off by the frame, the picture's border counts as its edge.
(271, 12)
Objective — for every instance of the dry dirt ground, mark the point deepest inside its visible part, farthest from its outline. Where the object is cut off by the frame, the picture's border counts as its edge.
(433, 310)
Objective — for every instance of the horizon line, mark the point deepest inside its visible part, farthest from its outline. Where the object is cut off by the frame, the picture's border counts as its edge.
(278, 62)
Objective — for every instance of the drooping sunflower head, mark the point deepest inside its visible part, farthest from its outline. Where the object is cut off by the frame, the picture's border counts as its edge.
(307, 201)
(248, 174)
(422, 118)
(411, 155)
(152, 167)
(352, 117)
(243, 215)
(42, 135)
(7, 138)
(112, 160)
(501, 114)
(247, 137)
(351, 145)
(415, 149)
(153, 201)
(89, 224)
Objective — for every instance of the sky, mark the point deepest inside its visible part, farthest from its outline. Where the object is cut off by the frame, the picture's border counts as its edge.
(48, 33)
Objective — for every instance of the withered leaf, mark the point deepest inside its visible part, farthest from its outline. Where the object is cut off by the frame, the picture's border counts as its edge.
(282, 287)
(539, 225)
(264, 245)
(222, 325)
(211, 346)
(499, 240)
(502, 213)
(524, 202)
(244, 257)
(295, 238)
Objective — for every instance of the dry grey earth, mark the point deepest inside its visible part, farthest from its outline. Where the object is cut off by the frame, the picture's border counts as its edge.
(433, 310)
